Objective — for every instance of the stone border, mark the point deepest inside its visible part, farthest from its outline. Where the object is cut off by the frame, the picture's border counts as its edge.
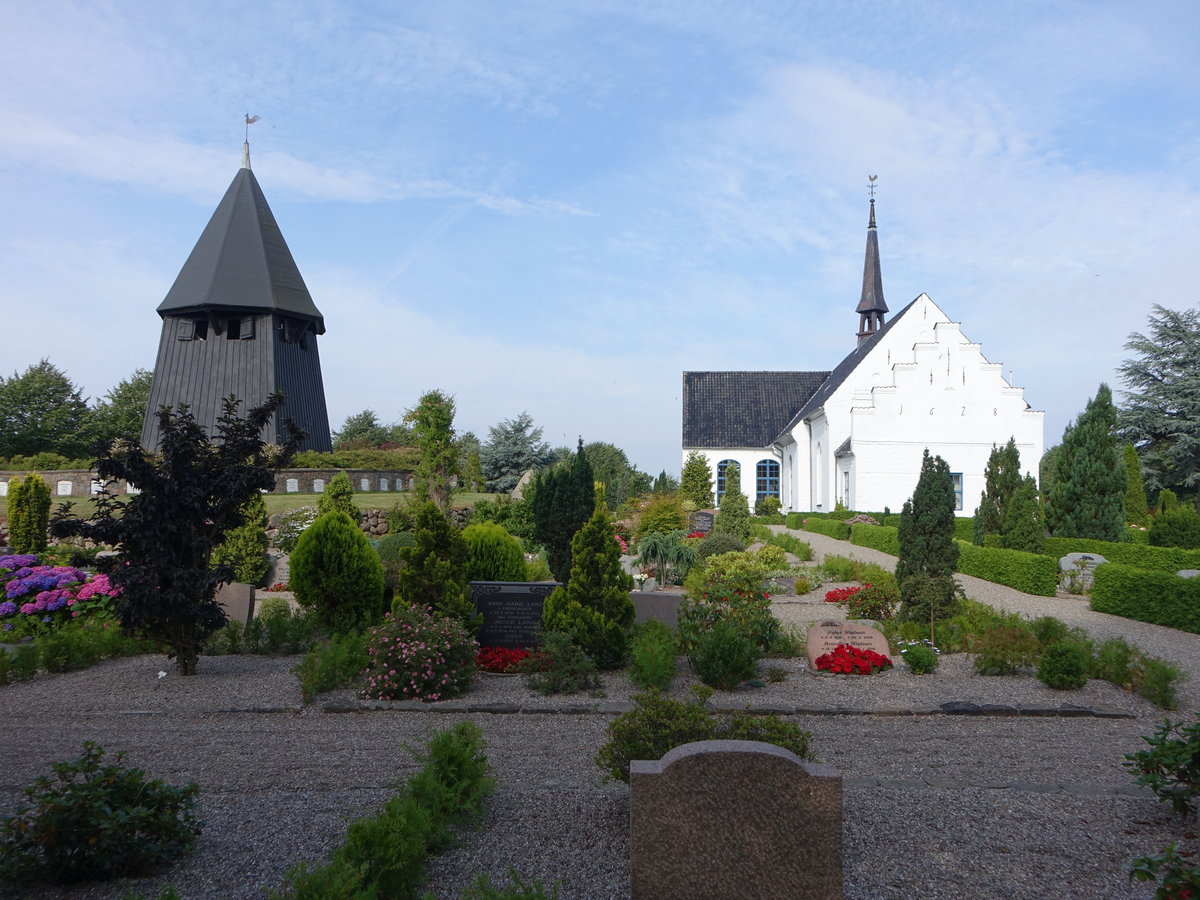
(616, 707)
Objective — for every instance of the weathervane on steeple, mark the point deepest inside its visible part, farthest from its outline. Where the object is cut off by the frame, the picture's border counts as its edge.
(250, 120)
(870, 178)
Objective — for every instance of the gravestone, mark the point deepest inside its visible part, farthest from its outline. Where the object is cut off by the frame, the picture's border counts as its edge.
(63, 489)
(318, 486)
(1077, 571)
(292, 486)
(364, 484)
(3, 488)
(1188, 573)
(511, 610)
(824, 637)
(383, 484)
(238, 601)
(702, 521)
(657, 605)
(719, 820)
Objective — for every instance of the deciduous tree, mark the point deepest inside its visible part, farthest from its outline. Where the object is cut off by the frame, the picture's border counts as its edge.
(42, 411)
(120, 414)
(193, 490)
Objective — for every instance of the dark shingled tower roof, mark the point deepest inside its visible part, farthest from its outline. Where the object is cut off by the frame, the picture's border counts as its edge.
(242, 262)
(871, 306)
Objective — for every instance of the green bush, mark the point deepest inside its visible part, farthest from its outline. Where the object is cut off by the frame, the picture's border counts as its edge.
(729, 588)
(723, 657)
(1117, 662)
(657, 724)
(562, 666)
(93, 821)
(276, 630)
(29, 514)
(414, 655)
(794, 520)
(244, 549)
(793, 545)
(1147, 596)
(384, 854)
(662, 514)
(1179, 878)
(537, 569)
(877, 537)
(717, 542)
(652, 655)
(767, 506)
(516, 889)
(1030, 573)
(772, 557)
(1158, 681)
(434, 571)
(1064, 666)
(336, 574)
(493, 554)
(1005, 650)
(833, 528)
(1049, 630)
(1138, 555)
(874, 601)
(920, 658)
(338, 496)
(337, 663)
(1170, 767)
(1178, 527)
(390, 550)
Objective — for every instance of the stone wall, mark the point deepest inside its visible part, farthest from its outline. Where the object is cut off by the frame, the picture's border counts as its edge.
(83, 482)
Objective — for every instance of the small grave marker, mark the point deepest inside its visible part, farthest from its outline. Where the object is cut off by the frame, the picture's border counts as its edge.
(824, 637)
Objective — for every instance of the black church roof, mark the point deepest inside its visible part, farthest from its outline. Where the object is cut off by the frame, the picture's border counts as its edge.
(742, 409)
(241, 261)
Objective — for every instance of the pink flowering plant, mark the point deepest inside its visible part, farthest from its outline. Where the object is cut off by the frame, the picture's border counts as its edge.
(37, 596)
(415, 656)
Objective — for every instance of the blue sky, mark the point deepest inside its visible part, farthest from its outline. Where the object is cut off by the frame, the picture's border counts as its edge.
(559, 207)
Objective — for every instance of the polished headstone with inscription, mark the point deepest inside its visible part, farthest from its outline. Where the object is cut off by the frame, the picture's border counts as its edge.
(702, 520)
(511, 610)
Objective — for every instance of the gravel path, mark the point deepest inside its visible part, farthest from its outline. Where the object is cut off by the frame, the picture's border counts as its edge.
(935, 806)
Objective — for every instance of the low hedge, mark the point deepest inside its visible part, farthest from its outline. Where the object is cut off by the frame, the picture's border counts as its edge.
(1030, 573)
(833, 528)
(794, 520)
(1137, 555)
(877, 537)
(1157, 597)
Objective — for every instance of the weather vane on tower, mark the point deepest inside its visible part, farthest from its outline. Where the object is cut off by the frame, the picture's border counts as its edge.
(870, 178)
(250, 120)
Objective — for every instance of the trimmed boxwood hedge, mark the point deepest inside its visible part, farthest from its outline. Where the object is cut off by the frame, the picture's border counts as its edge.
(1027, 572)
(794, 520)
(1147, 596)
(877, 537)
(831, 527)
(1139, 556)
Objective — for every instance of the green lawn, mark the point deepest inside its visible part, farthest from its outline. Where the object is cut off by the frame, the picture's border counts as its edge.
(283, 502)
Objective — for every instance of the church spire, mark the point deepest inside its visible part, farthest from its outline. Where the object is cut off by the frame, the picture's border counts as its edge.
(871, 307)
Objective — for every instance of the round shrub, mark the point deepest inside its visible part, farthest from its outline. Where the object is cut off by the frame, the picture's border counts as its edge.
(1049, 630)
(93, 821)
(336, 574)
(273, 608)
(873, 601)
(493, 554)
(414, 656)
(774, 558)
(724, 657)
(921, 659)
(1064, 666)
(718, 542)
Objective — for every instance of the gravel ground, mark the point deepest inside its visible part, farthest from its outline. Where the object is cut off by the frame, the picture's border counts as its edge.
(935, 806)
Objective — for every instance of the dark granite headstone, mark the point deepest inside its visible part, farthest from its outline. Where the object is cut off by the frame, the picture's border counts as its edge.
(661, 606)
(238, 601)
(702, 520)
(511, 610)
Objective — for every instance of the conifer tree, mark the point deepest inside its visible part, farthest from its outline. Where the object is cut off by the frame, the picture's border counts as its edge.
(244, 548)
(435, 570)
(1002, 477)
(339, 495)
(928, 553)
(432, 423)
(695, 482)
(1023, 528)
(1137, 511)
(563, 499)
(29, 514)
(337, 575)
(734, 515)
(1088, 497)
(594, 606)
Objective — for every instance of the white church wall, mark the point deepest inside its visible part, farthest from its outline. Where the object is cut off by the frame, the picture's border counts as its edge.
(747, 459)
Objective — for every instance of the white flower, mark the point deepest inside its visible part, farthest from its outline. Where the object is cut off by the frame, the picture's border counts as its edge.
(162, 675)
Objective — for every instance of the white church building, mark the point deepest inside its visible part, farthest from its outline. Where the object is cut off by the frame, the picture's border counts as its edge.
(856, 435)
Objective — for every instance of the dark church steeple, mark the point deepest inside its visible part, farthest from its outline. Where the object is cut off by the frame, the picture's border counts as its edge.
(871, 307)
(239, 320)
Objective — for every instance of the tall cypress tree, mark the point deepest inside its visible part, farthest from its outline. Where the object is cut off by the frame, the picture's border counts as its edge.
(1001, 478)
(734, 515)
(563, 500)
(1023, 528)
(1088, 497)
(695, 481)
(1137, 511)
(928, 553)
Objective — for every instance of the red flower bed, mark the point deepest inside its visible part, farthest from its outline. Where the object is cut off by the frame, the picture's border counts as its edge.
(500, 659)
(850, 660)
(840, 595)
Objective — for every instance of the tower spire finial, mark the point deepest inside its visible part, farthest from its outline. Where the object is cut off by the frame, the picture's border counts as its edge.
(871, 179)
(250, 120)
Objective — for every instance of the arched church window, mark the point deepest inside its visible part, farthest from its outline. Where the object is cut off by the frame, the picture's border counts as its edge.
(766, 479)
(721, 477)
